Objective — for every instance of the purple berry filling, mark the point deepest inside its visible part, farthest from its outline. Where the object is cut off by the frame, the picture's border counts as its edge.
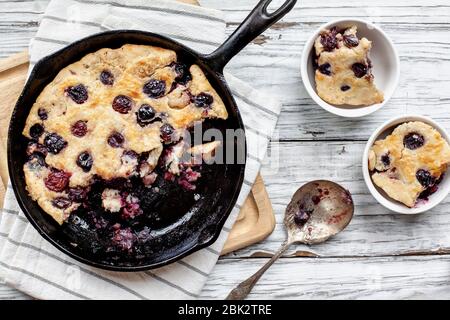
(183, 74)
(54, 143)
(351, 40)
(386, 159)
(155, 88)
(203, 100)
(116, 140)
(413, 141)
(61, 203)
(425, 178)
(122, 104)
(145, 115)
(78, 93)
(302, 216)
(107, 78)
(166, 132)
(85, 161)
(124, 239)
(359, 69)
(328, 41)
(57, 180)
(36, 130)
(42, 114)
(79, 128)
(325, 69)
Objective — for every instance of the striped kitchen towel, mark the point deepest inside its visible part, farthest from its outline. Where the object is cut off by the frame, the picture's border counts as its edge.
(32, 265)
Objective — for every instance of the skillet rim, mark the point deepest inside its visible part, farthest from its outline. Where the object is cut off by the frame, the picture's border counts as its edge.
(15, 175)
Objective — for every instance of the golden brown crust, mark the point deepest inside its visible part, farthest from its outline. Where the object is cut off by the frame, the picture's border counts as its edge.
(395, 166)
(132, 66)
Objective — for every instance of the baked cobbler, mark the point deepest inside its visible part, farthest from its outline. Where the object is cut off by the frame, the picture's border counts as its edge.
(343, 69)
(108, 127)
(410, 162)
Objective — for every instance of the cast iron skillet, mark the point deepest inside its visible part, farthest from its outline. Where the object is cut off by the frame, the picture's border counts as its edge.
(186, 226)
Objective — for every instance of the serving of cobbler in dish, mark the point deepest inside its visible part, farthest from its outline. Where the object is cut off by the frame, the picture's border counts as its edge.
(106, 140)
(410, 162)
(343, 73)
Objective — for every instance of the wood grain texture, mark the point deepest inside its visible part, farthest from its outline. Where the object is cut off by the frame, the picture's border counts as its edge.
(363, 261)
(373, 230)
(419, 30)
(339, 278)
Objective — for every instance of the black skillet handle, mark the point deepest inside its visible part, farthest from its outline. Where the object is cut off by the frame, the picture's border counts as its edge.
(255, 24)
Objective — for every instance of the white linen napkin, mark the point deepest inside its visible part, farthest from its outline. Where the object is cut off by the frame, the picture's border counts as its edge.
(32, 265)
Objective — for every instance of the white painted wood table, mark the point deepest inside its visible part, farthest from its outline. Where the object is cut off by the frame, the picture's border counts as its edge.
(379, 255)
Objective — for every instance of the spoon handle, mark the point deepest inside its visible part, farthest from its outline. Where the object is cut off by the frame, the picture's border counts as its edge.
(244, 288)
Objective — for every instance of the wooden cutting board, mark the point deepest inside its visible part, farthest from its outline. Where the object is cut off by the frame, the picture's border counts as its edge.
(254, 223)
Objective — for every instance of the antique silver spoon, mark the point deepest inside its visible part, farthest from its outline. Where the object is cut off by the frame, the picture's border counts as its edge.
(318, 210)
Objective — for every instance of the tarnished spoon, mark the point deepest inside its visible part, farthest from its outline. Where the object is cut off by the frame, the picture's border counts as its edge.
(318, 210)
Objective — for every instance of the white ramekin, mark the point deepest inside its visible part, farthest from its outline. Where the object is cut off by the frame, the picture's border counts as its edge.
(378, 194)
(386, 66)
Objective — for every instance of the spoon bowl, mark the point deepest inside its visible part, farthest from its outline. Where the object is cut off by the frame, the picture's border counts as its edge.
(318, 210)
